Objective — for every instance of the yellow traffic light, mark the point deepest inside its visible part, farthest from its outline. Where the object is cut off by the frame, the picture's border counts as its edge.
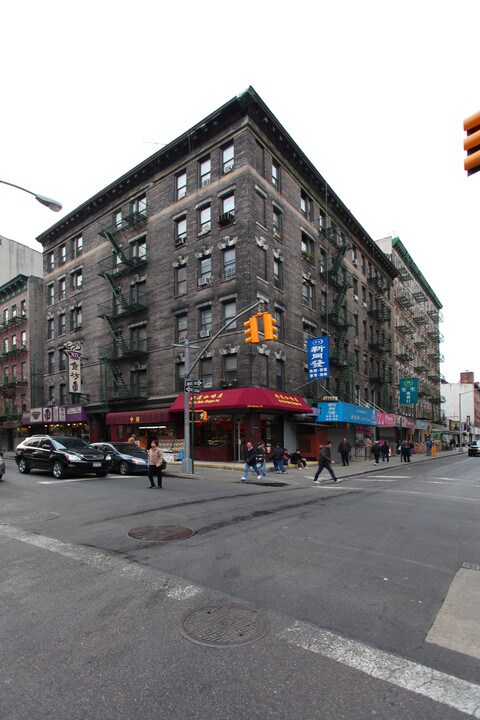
(251, 330)
(472, 143)
(270, 327)
(201, 416)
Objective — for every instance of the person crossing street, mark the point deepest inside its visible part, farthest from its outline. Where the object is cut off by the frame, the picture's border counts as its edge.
(325, 461)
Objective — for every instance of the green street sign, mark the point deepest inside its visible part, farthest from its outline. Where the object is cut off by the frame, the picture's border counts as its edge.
(409, 391)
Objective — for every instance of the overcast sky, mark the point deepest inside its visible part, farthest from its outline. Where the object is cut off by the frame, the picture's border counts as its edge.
(374, 92)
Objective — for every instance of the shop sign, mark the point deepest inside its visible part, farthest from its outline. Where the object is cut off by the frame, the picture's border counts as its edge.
(344, 412)
(318, 359)
(385, 419)
(409, 391)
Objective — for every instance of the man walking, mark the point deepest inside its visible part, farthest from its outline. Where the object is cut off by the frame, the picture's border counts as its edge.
(250, 462)
(325, 461)
(344, 450)
(278, 454)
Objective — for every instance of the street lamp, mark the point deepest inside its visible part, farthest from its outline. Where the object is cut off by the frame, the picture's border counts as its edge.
(48, 202)
(460, 448)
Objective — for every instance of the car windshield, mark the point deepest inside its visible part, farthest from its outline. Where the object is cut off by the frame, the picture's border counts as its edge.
(71, 443)
(128, 449)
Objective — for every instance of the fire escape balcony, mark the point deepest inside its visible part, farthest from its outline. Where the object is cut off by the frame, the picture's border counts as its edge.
(381, 313)
(128, 220)
(420, 367)
(119, 264)
(404, 297)
(18, 350)
(339, 278)
(404, 354)
(379, 283)
(384, 378)
(381, 345)
(122, 351)
(404, 328)
(14, 321)
(337, 316)
(435, 334)
(116, 310)
(342, 358)
(420, 343)
(420, 318)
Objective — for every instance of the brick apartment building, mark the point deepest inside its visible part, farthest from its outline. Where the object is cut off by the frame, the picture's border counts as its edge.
(141, 277)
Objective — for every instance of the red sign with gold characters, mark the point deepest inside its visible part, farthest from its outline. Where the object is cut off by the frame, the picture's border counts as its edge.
(245, 398)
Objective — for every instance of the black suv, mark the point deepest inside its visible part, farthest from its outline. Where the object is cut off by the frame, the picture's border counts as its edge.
(61, 456)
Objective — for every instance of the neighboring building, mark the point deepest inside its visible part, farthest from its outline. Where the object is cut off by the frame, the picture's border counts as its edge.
(462, 406)
(141, 277)
(22, 326)
(417, 337)
(16, 259)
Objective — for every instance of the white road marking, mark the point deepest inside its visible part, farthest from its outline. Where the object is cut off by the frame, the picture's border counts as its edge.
(440, 687)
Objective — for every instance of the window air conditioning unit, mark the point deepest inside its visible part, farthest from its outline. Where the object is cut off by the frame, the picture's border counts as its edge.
(205, 333)
(355, 262)
(226, 218)
(204, 281)
(228, 168)
(205, 182)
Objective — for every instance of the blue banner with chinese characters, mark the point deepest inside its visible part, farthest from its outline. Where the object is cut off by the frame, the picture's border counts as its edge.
(344, 412)
(409, 391)
(318, 360)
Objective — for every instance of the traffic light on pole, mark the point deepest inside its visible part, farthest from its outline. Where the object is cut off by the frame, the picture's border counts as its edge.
(251, 330)
(270, 327)
(472, 143)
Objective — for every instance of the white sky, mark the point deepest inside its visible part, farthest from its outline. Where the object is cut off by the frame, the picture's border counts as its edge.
(374, 92)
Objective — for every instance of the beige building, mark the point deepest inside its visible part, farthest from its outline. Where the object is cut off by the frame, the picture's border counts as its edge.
(16, 259)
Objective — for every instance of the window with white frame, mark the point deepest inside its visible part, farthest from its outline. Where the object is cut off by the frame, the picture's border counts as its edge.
(181, 280)
(308, 248)
(229, 311)
(138, 207)
(206, 372)
(50, 294)
(308, 293)
(23, 339)
(50, 261)
(279, 374)
(62, 253)
(181, 230)
(204, 219)
(277, 223)
(77, 246)
(62, 289)
(306, 205)
(51, 361)
(181, 327)
(181, 185)
(227, 205)
(76, 318)
(204, 172)
(228, 158)
(230, 368)
(205, 321)
(139, 248)
(76, 279)
(278, 273)
(229, 263)
(50, 329)
(204, 270)
(14, 341)
(276, 175)
(118, 219)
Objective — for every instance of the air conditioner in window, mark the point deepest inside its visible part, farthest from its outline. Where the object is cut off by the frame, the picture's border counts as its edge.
(205, 333)
(51, 401)
(228, 168)
(355, 262)
(204, 281)
(226, 218)
(204, 182)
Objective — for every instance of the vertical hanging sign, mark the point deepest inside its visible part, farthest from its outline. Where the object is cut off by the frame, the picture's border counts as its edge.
(318, 360)
(74, 354)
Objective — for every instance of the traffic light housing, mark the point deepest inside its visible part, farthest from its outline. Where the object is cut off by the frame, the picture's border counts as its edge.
(270, 327)
(200, 416)
(472, 143)
(251, 330)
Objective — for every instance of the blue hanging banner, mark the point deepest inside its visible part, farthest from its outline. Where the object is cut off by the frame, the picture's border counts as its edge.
(408, 391)
(318, 360)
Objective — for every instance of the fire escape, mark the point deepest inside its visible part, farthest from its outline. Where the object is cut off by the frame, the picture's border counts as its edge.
(123, 305)
(381, 342)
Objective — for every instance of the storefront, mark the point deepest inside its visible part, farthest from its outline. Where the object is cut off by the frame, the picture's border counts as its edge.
(147, 425)
(71, 420)
(224, 420)
(387, 427)
(355, 422)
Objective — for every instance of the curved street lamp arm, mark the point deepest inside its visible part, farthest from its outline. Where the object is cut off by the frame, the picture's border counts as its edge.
(48, 202)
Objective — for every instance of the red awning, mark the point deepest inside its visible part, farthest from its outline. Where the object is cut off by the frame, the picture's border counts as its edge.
(134, 417)
(247, 398)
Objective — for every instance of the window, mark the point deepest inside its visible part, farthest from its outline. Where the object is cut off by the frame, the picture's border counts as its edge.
(276, 175)
(139, 249)
(355, 290)
(50, 261)
(364, 296)
(229, 267)
(14, 342)
(279, 374)
(23, 308)
(205, 321)
(62, 253)
(62, 394)
(50, 329)
(357, 360)
(14, 373)
(23, 401)
(61, 324)
(204, 172)
(206, 372)
(117, 219)
(62, 289)
(365, 363)
(138, 383)
(23, 372)
(365, 335)
(138, 293)
(262, 263)
(181, 230)
(278, 315)
(227, 209)
(229, 310)
(308, 248)
(322, 222)
(76, 318)
(308, 293)
(76, 280)
(62, 360)
(179, 377)
(306, 205)
(323, 302)
(355, 322)
(260, 159)
(51, 395)
(138, 338)
(230, 368)
(228, 158)
(278, 273)
(308, 331)
(138, 207)
(50, 294)
(323, 262)
(6, 316)
(23, 339)
(14, 311)
(204, 219)
(77, 245)
(181, 280)
(51, 362)
(181, 185)
(181, 328)
(277, 223)
(261, 208)
(204, 271)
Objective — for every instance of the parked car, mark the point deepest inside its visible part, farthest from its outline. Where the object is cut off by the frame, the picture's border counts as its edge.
(127, 458)
(61, 456)
(474, 449)
(2, 465)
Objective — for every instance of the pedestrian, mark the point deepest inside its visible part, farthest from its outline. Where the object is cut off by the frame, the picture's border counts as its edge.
(367, 444)
(325, 461)
(428, 444)
(376, 451)
(405, 451)
(261, 452)
(297, 459)
(411, 449)
(277, 458)
(155, 460)
(132, 439)
(385, 450)
(344, 450)
(250, 462)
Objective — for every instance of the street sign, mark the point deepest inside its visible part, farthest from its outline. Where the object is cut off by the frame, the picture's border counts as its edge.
(409, 391)
(193, 383)
(194, 390)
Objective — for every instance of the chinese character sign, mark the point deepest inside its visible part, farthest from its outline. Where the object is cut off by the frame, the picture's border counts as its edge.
(409, 391)
(318, 360)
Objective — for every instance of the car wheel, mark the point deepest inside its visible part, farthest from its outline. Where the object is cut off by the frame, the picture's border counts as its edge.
(58, 471)
(101, 474)
(123, 468)
(23, 467)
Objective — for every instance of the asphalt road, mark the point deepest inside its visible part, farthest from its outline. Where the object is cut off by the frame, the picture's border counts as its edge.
(352, 579)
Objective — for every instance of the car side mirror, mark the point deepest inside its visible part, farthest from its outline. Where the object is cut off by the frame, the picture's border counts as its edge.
(46, 446)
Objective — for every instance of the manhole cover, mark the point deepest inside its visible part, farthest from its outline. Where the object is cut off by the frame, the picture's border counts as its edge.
(161, 534)
(224, 625)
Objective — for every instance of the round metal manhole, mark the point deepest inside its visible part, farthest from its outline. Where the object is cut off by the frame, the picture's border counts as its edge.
(160, 534)
(224, 625)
